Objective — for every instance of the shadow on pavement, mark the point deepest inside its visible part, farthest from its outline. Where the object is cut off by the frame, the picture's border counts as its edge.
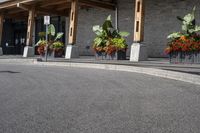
(11, 72)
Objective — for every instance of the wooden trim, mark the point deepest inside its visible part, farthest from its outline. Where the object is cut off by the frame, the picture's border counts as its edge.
(41, 10)
(22, 6)
(73, 22)
(11, 4)
(1, 27)
(53, 3)
(98, 4)
(31, 21)
(139, 21)
(49, 7)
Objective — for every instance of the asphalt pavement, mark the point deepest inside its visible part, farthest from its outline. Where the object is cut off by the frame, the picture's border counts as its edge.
(42, 99)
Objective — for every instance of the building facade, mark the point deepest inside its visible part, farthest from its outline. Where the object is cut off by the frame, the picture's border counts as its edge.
(160, 20)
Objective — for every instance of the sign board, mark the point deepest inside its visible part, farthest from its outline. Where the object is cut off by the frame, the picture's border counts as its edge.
(46, 20)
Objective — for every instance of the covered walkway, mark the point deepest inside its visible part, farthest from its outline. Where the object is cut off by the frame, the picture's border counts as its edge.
(30, 9)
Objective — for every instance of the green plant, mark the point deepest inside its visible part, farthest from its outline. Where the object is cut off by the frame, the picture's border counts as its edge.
(52, 36)
(105, 34)
(42, 35)
(57, 45)
(42, 43)
(41, 47)
(120, 43)
(188, 39)
(52, 44)
(189, 26)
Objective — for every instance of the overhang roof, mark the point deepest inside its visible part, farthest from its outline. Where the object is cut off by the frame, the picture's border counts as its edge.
(19, 8)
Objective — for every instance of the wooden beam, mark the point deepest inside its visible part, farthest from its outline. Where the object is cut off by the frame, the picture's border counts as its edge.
(1, 28)
(20, 15)
(41, 10)
(31, 21)
(51, 11)
(23, 6)
(64, 7)
(139, 21)
(98, 4)
(11, 4)
(50, 3)
(73, 22)
(14, 11)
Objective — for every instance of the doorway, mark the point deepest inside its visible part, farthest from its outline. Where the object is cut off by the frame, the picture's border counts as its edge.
(14, 35)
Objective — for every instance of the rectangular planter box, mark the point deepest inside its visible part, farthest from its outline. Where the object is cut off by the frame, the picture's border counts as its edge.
(175, 57)
(185, 57)
(197, 57)
(119, 55)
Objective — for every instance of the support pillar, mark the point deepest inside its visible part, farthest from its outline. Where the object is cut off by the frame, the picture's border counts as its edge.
(71, 50)
(138, 50)
(1, 33)
(28, 49)
(116, 15)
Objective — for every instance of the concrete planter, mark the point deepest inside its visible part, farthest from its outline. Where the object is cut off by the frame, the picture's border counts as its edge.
(100, 55)
(197, 57)
(119, 55)
(175, 57)
(185, 57)
(58, 52)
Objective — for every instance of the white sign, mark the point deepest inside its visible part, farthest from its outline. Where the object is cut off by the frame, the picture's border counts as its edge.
(46, 20)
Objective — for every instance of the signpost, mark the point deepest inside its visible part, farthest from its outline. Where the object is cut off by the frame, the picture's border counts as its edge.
(46, 22)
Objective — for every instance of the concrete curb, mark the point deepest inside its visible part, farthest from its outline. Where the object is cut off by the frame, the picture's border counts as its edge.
(190, 78)
(185, 77)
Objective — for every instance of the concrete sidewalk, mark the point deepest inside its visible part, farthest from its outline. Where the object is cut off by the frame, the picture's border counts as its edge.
(154, 66)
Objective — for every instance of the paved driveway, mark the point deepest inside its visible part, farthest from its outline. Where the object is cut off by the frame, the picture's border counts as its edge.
(37, 99)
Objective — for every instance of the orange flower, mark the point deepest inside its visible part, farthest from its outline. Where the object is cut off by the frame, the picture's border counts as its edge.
(183, 38)
(168, 50)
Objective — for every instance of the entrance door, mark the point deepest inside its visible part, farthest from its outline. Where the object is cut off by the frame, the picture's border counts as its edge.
(19, 41)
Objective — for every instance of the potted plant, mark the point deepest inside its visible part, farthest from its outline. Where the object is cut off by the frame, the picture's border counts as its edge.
(40, 46)
(109, 41)
(58, 48)
(121, 47)
(53, 44)
(184, 46)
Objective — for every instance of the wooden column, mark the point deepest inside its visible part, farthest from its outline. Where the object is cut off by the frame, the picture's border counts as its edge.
(1, 28)
(73, 22)
(139, 21)
(30, 28)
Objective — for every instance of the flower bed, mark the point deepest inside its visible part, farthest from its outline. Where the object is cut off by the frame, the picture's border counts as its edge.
(109, 43)
(54, 47)
(184, 46)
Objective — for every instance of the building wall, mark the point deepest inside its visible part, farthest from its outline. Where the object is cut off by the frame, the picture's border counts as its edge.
(160, 20)
(89, 18)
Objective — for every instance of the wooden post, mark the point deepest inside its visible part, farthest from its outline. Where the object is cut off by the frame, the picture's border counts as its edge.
(30, 28)
(138, 50)
(1, 28)
(73, 22)
(139, 21)
(117, 16)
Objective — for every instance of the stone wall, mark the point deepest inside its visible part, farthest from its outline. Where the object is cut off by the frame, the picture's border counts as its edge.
(160, 20)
